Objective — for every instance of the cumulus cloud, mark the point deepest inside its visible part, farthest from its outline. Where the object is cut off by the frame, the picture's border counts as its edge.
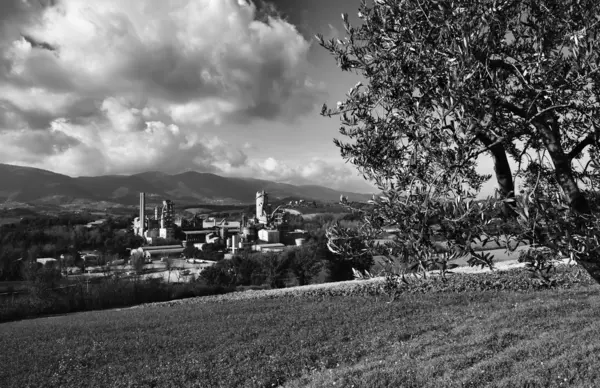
(123, 86)
(314, 171)
(69, 148)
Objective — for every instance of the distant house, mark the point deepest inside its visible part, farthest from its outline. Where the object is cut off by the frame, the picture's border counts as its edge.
(90, 258)
(46, 260)
(196, 236)
(96, 223)
(159, 251)
(213, 223)
(274, 247)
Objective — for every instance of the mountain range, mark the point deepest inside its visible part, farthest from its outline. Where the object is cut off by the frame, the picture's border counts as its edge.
(36, 186)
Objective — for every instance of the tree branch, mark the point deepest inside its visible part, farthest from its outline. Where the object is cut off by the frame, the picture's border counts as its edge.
(588, 140)
(512, 108)
(494, 63)
(501, 64)
(488, 146)
(501, 166)
(538, 114)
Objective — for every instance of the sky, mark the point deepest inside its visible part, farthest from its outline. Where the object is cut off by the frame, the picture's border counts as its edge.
(232, 87)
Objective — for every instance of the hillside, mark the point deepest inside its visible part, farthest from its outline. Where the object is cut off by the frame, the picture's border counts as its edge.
(37, 186)
(316, 339)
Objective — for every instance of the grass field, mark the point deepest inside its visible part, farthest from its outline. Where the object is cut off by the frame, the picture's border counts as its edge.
(474, 339)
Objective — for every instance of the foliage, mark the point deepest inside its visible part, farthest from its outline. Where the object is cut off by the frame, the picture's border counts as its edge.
(220, 274)
(168, 262)
(190, 251)
(451, 80)
(44, 236)
(137, 261)
(350, 251)
(304, 263)
(275, 269)
(107, 293)
(514, 280)
(249, 270)
(541, 264)
(40, 278)
(295, 266)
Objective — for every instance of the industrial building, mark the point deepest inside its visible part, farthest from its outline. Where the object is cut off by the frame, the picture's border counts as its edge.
(161, 225)
(269, 236)
(46, 260)
(196, 236)
(150, 252)
(275, 247)
(213, 223)
(266, 230)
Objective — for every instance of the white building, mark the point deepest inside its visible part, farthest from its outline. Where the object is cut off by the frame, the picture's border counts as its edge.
(270, 236)
(45, 260)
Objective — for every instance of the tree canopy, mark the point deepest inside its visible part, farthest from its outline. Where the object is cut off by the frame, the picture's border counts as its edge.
(449, 81)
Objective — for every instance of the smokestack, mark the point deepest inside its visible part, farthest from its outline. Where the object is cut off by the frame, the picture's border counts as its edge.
(259, 203)
(142, 213)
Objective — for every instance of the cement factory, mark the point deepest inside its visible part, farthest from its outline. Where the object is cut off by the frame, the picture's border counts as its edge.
(161, 225)
(266, 230)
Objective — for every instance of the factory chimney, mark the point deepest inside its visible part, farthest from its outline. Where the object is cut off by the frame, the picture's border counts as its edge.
(142, 213)
(262, 201)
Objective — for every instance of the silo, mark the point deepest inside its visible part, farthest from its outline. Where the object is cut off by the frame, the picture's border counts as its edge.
(229, 242)
(260, 203)
(234, 242)
(142, 213)
(224, 234)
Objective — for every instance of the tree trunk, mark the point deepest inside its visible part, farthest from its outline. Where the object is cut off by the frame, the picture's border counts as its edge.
(502, 170)
(592, 266)
(564, 176)
(562, 166)
(501, 166)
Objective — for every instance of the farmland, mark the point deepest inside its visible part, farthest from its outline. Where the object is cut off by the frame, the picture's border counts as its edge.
(432, 339)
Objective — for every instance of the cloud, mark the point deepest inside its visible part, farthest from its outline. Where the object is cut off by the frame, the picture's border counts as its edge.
(204, 55)
(118, 87)
(314, 171)
(80, 150)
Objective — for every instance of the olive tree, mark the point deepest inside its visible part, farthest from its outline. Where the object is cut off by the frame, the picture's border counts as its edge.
(449, 81)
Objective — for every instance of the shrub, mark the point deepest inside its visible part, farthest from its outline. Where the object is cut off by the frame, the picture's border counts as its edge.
(220, 274)
(304, 263)
(541, 264)
(275, 268)
(108, 293)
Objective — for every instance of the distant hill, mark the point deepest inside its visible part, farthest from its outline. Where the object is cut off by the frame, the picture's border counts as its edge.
(37, 186)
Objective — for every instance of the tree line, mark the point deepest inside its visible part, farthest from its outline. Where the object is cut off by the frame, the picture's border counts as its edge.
(64, 235)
